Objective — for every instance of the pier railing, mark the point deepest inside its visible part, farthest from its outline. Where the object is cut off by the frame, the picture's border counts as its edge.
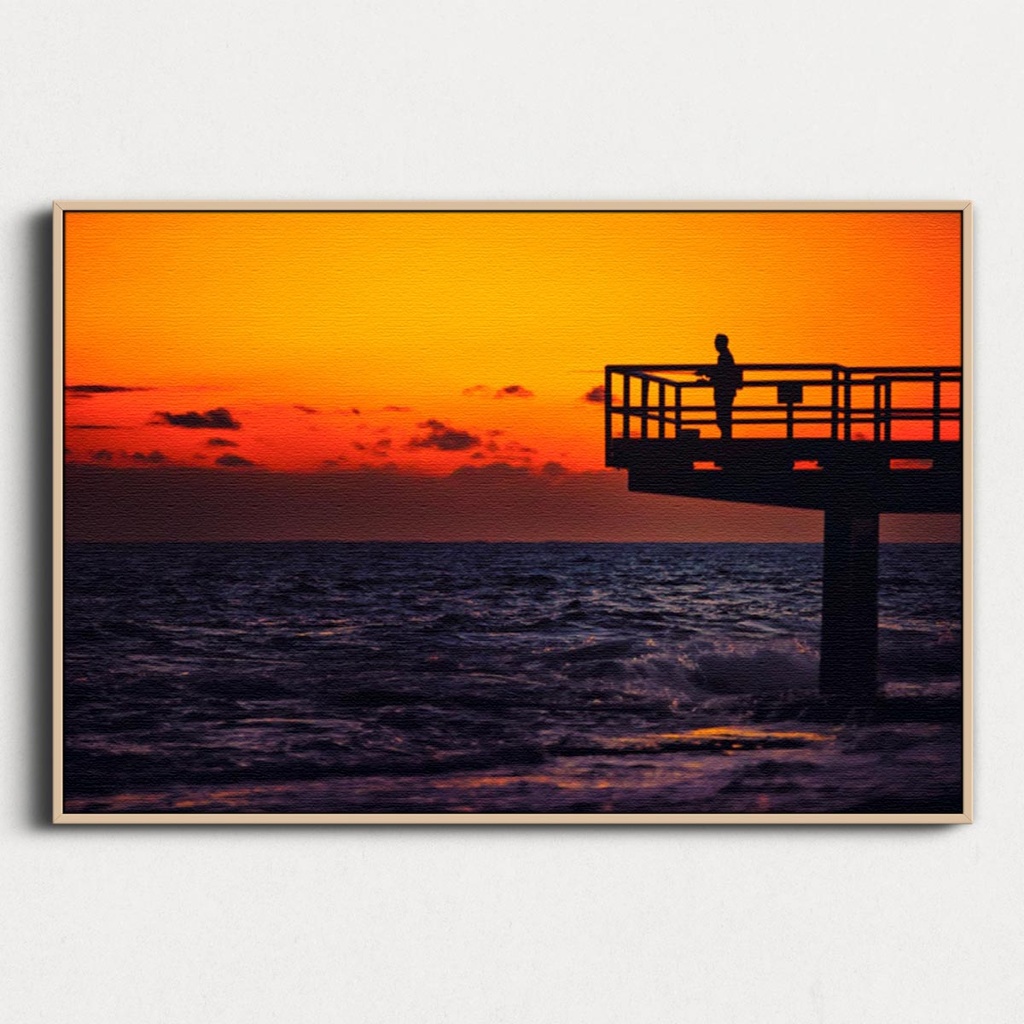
(824, 400)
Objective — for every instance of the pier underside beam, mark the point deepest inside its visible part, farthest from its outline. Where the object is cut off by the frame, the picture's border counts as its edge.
(849, 608)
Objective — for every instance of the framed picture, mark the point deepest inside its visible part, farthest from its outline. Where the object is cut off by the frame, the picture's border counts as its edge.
(525, 513)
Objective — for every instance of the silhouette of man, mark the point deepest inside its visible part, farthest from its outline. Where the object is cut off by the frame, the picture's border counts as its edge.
(726, 380)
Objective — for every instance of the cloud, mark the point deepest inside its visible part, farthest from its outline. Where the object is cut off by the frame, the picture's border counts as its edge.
(306, 409)
(511, 451)
(213, 419)
(444, 438)
(234, 460)
(397, 408)
(495, 503)
(99, 389)
(102, 455)
(509, 391)
(153, 458)
(595, 395)
(379, 447)
(221, 442)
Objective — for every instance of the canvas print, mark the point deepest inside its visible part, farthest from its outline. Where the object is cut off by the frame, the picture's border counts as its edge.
(524, 514)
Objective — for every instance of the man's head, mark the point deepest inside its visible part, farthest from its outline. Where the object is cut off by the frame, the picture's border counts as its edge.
(721, 342)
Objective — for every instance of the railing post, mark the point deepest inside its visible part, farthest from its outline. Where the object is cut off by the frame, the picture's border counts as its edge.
(607, 409)
(888, 410)
(960, 407)
(936, 405)
(835, 405)
(679, 409)
(626, 378)
(661, 409)
(847, 398)
(876, 411)
(645, 388)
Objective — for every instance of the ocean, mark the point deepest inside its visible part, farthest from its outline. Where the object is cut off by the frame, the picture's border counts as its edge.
(498, 678)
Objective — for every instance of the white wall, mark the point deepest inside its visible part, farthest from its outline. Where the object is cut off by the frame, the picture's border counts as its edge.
(495, 99)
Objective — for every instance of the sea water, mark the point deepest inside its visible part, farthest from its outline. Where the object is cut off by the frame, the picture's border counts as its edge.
(536, 678)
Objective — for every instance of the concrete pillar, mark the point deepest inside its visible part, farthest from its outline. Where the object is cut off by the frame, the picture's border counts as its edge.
(849, 606)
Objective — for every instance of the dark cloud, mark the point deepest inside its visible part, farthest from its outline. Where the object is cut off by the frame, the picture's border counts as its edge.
(493, 471)
(221, 442)
(99, 389)
(444, 438)
(484, 502)
(91, 426)
(153, 458)
(380, 447)
(234, 460)
(212, 419)
(397, 408)
(595, 395)
(511, 451)
(306, 409)
(553, 469)
(509, 391)
(102, 455)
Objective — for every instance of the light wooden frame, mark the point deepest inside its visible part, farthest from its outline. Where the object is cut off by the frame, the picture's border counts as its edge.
(60, 817)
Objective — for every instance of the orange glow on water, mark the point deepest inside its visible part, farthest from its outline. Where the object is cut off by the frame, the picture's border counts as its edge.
(740, 732)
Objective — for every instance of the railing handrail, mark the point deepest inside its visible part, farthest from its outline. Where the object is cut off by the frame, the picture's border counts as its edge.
(672, 417)
(638, 368)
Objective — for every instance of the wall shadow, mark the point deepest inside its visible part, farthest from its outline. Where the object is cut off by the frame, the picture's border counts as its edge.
(38, 230)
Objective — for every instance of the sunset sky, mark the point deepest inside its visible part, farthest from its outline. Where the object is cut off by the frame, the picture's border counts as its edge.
(464, 347)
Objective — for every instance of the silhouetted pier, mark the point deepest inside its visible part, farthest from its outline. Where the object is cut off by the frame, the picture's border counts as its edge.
(852, 441)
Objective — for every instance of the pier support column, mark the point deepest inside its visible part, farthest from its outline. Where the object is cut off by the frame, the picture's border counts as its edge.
(849, 606)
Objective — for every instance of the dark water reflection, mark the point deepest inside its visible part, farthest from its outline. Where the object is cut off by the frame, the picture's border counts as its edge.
(497, 677)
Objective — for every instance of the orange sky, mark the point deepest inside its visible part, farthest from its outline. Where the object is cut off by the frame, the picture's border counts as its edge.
(428, 341)
(261, 313)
